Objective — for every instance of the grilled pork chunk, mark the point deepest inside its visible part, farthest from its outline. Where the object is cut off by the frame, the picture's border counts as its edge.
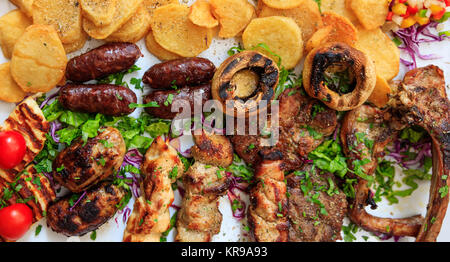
(267, 213)
(27, 119)
(81, 166)
(150, 216)
(318, 220)
(199, 217)
(98, 205)
(303, 122)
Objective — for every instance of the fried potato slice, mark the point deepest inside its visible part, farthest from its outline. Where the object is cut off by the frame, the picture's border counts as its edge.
(25, 6)
(99, 12)
(124, 10)
(28, 120)
(64, 15)
(9, 90)
(281, 35)
(339, 7)
(370, 13)
(283, 4)
(133, 30)
(157, 50)
(200, 14)
(318, 38)
(151, 5)
(307, 16)
(174, 31)
(38, 61)
(342, 29)
(12, 26)
(382, 50)
(233, 15)
(380, 95)
(77, 45)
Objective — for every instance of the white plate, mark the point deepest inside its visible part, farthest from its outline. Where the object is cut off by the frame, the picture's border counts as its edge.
(232, 230)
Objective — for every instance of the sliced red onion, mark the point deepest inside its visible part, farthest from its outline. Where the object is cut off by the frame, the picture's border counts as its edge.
(45, 102)
(175, 206)
(55, 126)
(175, 143)
(239, 213)
(78, 201)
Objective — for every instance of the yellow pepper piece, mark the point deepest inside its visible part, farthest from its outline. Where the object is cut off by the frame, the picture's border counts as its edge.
(421, 20)
(410, 21)
(399, 9)
(435, 9)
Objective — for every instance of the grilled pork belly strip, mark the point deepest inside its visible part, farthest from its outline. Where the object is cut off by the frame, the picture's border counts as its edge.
(27, 119)
(267, 213)
(150, 216)
(199, 218)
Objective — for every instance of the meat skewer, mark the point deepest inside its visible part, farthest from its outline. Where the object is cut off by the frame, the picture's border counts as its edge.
(150, 216)
(199, 217)
(267, 213)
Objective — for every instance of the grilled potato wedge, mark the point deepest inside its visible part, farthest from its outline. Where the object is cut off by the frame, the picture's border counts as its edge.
(12, 26)
(28, 120)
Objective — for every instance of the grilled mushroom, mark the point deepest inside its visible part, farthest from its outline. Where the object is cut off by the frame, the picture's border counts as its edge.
(245, 78)
(339, 75)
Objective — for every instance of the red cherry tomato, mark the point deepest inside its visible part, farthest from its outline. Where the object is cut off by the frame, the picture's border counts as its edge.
(15, 221)
(12, 148)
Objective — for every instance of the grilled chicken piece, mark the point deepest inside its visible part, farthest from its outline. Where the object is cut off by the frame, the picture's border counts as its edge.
(81, 166)
(303, 124)
(37, 189)
(267, 213)
(423, 101)
(27, 119)
(371, 124)
(318, 221)
(150, 216)
(94, 209)
(199, 217)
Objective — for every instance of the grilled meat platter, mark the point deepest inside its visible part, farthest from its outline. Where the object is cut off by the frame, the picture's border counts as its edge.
(224, 120)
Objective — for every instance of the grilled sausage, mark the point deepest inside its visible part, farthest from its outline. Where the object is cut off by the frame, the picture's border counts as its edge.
(80, 166)
(94, 209)
(102, 61)
(179, 72)
(110, 100)
(186, 93)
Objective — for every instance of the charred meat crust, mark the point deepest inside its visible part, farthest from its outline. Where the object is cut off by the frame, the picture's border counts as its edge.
(81, 166)
(106, 99)
(102, 61)
(96, 208)
(299, 118)
(332, 54)
(307, 223)
(187, 93)
(267, 213)
(179, 72)
(212, 149)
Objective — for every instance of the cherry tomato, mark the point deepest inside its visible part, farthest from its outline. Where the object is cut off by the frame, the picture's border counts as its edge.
(15, 221)
(12, 148)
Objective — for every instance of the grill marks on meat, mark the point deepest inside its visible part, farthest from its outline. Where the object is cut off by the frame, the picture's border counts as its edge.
(199, 217)
(267, 213)
(375, 125)
(28, 120)
(150, 216)
(423, 101)
(80, 166)
(96, 208)
(307, 222)
(303, 122)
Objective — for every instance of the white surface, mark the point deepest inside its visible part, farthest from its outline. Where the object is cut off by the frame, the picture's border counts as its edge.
(232, 230)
